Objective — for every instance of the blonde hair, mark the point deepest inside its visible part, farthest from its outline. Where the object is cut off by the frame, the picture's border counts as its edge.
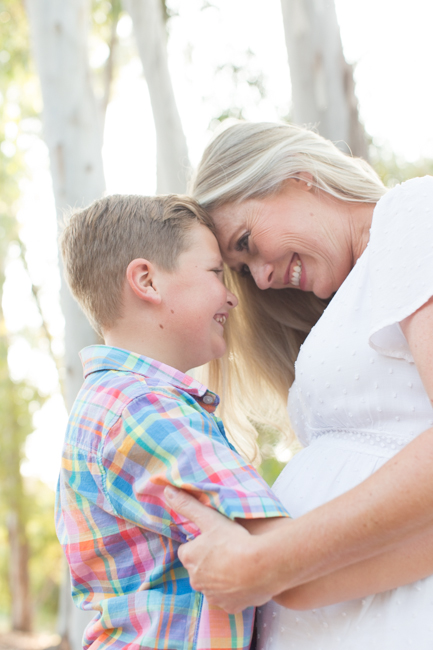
(99, 242)
(249, 161)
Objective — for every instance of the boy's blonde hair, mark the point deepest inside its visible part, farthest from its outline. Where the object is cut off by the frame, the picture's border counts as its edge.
(99, 242)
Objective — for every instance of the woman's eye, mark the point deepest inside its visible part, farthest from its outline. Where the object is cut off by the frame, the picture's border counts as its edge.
(244, 271)
(242, 243)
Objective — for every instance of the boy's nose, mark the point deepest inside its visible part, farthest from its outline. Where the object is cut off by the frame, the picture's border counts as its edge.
(232, 301)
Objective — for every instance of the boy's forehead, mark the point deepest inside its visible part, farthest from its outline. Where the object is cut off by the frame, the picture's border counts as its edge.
(203, 239)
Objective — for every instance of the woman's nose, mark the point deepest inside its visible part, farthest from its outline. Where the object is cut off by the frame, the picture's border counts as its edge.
(263, 275)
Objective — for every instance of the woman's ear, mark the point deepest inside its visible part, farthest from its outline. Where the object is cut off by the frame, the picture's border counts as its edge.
(301, 180)
(140, 275)
(306, 179)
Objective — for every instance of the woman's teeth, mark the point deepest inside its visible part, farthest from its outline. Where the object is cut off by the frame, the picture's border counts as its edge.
(220, 319)
(296, 274)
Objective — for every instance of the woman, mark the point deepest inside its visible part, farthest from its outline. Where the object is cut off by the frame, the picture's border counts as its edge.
(300, 223)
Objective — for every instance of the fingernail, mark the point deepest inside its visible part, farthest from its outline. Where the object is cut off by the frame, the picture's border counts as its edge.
(169, 492)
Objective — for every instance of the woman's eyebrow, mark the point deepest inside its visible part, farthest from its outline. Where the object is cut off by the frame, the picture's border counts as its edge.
(234, 238)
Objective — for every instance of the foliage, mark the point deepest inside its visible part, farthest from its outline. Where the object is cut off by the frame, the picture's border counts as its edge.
(46, 557)
(19, 106)
(393, 169)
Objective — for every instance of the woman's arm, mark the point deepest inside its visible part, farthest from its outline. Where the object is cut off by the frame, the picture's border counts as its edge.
(381, 515)
(395, 504)
(411, 561)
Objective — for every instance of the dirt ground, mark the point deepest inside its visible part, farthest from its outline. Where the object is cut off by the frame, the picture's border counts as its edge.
(22, 641)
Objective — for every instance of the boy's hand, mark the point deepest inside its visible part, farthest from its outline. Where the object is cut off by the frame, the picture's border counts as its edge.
(225, 562)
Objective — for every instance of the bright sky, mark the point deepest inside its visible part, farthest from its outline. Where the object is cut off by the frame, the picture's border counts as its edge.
(389, 41)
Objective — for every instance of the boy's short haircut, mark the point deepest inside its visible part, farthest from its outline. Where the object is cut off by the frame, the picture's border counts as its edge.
(98, 243)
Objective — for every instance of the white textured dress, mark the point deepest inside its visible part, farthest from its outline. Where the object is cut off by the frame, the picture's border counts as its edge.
(356, 401)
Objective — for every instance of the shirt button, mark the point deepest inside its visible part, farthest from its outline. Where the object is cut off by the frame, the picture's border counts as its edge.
(209, 399)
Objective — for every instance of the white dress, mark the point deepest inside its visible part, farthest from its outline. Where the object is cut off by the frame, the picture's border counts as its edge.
(356, 401)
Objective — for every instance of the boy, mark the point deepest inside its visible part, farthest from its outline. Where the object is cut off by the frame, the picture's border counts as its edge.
(148, 274)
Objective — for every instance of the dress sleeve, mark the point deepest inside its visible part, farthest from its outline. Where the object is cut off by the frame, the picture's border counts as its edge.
(401, 263)
(159, 441)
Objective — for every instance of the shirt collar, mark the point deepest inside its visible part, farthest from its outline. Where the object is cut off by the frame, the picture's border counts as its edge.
(96, 358)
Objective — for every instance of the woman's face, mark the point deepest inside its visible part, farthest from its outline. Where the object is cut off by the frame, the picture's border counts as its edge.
(299, 238)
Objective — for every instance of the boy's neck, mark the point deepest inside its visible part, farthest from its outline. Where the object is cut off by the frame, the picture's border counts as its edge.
(147, 345)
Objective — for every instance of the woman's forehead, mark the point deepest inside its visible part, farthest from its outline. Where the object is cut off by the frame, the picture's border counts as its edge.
(229, 219)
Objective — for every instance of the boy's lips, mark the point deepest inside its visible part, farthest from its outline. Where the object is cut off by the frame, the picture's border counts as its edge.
(221, 318)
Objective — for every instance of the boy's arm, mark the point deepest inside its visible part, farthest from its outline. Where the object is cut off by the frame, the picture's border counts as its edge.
(161, 440)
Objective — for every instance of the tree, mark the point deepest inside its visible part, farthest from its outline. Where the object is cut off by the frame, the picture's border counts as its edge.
(323, 89)
(16, 424)
(172, 152)
(73, 133)
(15, 397)
(73, 125)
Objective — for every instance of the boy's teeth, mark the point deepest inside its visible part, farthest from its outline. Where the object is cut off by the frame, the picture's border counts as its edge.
(220, 319)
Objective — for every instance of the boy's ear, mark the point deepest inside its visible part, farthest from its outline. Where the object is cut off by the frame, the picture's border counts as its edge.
(140, 275)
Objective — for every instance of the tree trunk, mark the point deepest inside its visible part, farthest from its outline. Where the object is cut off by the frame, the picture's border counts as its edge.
(73, 133)
(21, 614)
(323, 90)
(172, 152)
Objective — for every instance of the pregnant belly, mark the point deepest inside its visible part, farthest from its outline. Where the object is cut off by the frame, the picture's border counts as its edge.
(331, 465)
(395, 620)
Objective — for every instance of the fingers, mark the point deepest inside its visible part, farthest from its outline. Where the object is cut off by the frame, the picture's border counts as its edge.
(186, 556)
(186, 505)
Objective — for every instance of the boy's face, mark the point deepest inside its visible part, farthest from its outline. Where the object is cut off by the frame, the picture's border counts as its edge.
(196, 302)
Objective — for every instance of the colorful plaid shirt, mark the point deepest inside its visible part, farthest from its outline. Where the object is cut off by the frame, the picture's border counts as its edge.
(138, 425)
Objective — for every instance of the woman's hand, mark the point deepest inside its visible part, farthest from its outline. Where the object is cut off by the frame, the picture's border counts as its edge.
(225, 562)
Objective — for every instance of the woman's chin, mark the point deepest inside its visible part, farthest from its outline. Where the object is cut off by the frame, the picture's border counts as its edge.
(323, 293)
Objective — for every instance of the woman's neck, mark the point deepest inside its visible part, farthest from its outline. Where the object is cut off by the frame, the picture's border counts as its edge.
(361, 217)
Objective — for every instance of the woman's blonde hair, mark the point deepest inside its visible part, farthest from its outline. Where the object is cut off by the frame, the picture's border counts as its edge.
(266, 330)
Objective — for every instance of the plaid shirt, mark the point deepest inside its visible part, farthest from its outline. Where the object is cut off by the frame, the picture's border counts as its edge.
(138, 425)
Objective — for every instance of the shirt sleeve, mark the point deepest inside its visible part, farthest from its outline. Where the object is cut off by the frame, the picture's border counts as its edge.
(401, 271)
(159, 441)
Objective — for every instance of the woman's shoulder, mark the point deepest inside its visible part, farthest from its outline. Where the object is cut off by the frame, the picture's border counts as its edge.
(406, 206)
(413, 191)
(400, 262)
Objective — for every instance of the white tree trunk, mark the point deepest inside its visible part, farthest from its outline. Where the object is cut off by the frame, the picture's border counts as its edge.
(323, 89)
(73, 133)
(172, 152)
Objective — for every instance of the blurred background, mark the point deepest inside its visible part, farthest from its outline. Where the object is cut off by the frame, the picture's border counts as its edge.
(111, 96)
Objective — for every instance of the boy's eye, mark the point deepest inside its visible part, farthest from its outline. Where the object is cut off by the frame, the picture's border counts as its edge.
(244, 271)
(242, 243)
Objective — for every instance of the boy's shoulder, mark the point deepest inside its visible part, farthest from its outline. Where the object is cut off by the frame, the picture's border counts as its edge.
(115, 380)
